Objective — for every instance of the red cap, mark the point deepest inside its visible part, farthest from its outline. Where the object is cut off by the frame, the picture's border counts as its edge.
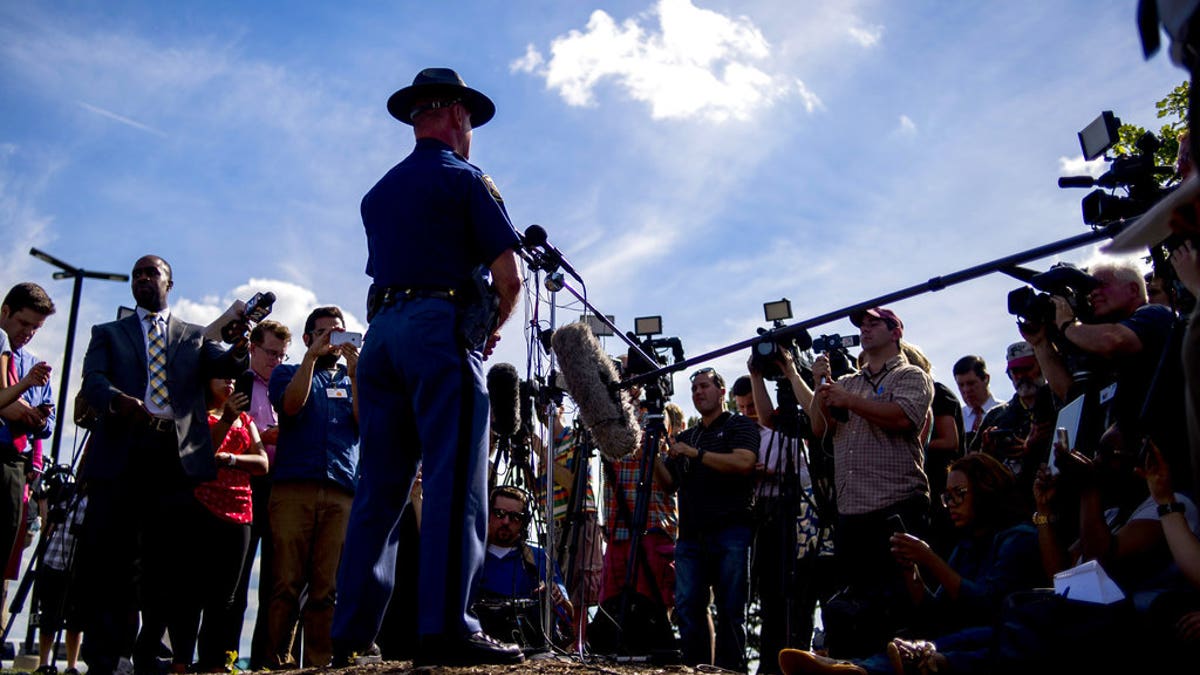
(880, 313)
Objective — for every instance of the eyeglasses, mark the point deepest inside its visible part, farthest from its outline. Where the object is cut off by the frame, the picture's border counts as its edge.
(504, 514)
(954, 496)
(702, 371)
(274, 353)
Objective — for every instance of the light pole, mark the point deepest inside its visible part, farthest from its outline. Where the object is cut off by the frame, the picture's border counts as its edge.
(78, 274)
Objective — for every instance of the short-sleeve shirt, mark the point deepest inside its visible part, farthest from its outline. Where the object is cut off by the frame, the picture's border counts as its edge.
(319, 443)
(1135, 372)
(709, 500)
(626, 473)
(228, 497)
(432, 219)
(875, 468)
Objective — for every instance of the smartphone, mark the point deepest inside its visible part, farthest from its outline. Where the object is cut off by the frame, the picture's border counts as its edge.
(1062, 438)
(896, 524)
(244, 384)
(345, 337)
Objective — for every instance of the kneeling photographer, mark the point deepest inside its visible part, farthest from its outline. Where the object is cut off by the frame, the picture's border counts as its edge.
(511, 587)
(1138, 341)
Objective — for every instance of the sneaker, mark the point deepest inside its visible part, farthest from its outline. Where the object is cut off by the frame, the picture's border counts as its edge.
(47, 670)
(71, 671)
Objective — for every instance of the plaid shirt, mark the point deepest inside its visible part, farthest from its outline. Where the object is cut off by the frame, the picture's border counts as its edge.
(663, 515)
(60, 548)
(875, 468)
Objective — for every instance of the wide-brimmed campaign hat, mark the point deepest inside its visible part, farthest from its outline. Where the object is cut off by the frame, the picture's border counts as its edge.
(440, 82)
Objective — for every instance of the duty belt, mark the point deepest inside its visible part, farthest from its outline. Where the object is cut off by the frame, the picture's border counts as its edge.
(394, 294)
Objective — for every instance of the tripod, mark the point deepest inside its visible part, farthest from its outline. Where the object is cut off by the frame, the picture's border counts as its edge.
(64, 515)
(629, 625)
(785, 576)
(574, 524)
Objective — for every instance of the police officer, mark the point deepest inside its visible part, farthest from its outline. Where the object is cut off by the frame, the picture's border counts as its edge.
(433, 223)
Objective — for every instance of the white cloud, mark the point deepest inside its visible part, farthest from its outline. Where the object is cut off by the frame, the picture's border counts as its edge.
(867, 36)
(907, 126)
(293, 303)
(22, 225)
(811, 101)
(697, 64)
(529, 63)
(1078, 166)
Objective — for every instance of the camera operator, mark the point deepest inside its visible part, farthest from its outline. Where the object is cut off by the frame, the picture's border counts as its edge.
(1133, 337)
(881, 486)
(712, 466)
(786, 611)
(513, 569)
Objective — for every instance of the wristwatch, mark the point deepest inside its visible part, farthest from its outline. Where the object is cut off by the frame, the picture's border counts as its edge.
(700, 455)
(1169, 508)
(1062, 327)
(1040, 519)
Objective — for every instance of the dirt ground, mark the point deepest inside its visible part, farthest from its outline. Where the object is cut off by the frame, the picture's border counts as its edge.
(542, 666)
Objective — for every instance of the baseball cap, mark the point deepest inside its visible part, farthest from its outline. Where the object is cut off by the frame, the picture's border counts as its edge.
(1019, 355)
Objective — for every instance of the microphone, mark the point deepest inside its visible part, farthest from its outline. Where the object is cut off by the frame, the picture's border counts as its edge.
(259, 307)
(535, 237)
(590, 379)
(504, 388)
(528, 398)
(1076, 181)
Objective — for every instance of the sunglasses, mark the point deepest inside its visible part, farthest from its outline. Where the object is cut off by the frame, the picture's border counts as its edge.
(954, 496)
(505, 514)
(702, 371)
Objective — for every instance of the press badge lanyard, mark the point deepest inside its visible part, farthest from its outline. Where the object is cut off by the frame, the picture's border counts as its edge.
(877, 381)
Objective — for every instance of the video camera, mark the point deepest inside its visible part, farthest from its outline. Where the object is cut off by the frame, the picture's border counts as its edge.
(768, 352)
(1064, 280)
(1137, 174)
(644, 330)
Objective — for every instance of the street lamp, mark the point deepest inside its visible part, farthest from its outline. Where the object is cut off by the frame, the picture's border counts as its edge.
(78, 274)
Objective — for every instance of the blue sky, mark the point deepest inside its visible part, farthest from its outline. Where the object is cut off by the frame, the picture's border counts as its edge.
(693, 158)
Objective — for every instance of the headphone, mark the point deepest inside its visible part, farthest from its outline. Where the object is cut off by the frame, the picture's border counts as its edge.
(516, 493)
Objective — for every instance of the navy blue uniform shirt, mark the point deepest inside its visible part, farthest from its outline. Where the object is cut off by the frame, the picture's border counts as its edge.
(432, 219)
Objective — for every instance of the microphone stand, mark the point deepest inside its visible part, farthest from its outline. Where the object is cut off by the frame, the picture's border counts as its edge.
(555, 282)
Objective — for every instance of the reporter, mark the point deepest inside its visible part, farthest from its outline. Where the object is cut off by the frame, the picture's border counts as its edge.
(223, 534)
(962, 594)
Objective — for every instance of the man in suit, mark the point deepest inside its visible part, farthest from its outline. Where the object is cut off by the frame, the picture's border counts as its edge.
(146, 375)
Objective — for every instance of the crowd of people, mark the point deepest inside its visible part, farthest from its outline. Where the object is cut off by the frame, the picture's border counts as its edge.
(925, 528)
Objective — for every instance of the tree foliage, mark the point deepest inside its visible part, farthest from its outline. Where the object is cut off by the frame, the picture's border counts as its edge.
(1172, 108)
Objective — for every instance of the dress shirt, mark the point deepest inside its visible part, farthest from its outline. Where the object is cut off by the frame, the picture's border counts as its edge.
(969, 415)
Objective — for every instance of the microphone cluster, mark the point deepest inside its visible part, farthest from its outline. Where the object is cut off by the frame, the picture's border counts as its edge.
(541, 255)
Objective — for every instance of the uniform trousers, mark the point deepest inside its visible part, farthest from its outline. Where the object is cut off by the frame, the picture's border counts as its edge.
(422, 399)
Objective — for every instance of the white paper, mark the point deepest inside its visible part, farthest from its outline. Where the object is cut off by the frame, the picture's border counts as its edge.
(1087, 582)
(1068, 418)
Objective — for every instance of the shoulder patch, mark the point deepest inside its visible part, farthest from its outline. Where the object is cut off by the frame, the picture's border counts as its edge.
(491, 186)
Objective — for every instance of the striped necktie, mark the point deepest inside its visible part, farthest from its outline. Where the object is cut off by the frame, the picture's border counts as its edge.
(158, 362)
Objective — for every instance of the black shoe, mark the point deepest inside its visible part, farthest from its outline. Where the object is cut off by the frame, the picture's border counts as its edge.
(476, 649)
(46, 670)
(366, 657)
